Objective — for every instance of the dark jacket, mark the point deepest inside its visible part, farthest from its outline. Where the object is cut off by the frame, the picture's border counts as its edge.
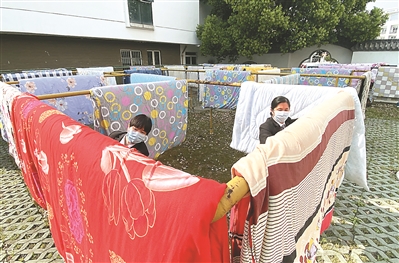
(270, 127)
(141, 147)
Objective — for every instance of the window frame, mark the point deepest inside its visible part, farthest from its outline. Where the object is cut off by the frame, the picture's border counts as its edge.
(132, 58)
(190, 56)
(152, 63)
(140, 23)
(393, 29)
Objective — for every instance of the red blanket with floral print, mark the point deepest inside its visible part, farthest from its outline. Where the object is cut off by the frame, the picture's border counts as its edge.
(108, 203)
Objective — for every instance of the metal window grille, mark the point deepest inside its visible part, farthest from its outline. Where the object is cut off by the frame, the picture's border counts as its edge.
(131, 57)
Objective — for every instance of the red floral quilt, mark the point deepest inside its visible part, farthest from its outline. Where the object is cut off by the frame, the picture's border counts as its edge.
(109, 203)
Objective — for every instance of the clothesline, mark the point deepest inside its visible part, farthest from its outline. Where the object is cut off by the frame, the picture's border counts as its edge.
(117, 74)
(236, 188)
(87, 92)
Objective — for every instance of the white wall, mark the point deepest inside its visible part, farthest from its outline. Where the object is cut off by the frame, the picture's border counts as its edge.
(389, 57)
(174, 21)
(341, 54)
(289, 60)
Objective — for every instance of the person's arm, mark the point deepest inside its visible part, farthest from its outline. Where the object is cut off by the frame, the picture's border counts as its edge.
(264, 132)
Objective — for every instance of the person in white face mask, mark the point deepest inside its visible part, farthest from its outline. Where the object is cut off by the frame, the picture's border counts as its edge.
(136, 134)
(279, 111)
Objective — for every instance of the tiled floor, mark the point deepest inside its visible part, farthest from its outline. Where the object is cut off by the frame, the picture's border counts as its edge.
(366, 224)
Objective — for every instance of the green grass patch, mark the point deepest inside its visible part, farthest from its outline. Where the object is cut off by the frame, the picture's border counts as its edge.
(384, 111)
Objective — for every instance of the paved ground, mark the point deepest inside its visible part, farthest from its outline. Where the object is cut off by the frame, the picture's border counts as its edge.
(365, 226)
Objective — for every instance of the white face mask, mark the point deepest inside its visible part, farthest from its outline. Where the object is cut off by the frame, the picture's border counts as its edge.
(281, 116)
(135, 137)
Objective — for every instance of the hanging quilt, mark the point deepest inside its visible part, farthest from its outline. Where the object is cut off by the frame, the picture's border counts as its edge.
(166, 103)
(107, 203)
(8, 77)
(223, 97)
(99, 71)
(79, 108)
(323, 81)
(386, 87)
(293, 180)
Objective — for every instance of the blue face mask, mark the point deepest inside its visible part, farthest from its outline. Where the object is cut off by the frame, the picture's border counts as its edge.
(281, 116)
(135, 137)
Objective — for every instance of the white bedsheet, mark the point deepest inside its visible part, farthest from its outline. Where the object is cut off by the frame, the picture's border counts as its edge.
(253, 109)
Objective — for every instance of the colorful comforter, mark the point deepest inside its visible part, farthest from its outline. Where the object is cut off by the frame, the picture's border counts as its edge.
(323, 81)
(108, 203)
(223, 97)
(165, 102)
(79, 108)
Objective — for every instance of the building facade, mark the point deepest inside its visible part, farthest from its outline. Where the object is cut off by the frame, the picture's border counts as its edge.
(119, 33)
(390, 29)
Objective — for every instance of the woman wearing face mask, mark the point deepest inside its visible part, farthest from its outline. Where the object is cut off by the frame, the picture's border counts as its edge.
(136, 134)
(279, 111)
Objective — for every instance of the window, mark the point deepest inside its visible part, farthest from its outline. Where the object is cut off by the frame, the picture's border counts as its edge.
(140, 11)
(154, 57)
(383, 31)
(131, 57)
(191, 58)
(394, 29)
(392, 37)
(394, 16)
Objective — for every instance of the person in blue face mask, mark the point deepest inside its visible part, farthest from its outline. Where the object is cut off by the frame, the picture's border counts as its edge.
(136, 134)
(279, 111)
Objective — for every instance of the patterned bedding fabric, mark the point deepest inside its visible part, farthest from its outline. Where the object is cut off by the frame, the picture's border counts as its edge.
(293, 180)
(106, 202)
(372, 67)
(223, 97)
(7, 95)
(154, 71)
(358, 69)
(323, 81)
(35, 74)
(254, 108)
(165, 102)
(99, 71)
(386, 87)
(79, 108)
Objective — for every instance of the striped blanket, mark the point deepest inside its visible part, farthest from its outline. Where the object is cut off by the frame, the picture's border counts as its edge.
(293, 180)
